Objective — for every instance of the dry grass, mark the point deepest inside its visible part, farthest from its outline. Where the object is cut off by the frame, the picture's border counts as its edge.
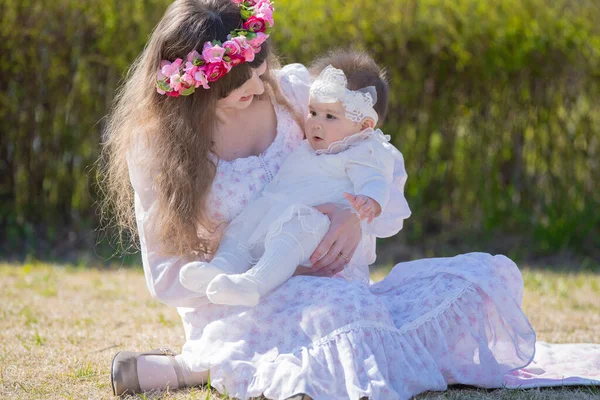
(62, 325)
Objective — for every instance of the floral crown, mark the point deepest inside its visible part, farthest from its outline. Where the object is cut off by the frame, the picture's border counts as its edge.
(176, 79)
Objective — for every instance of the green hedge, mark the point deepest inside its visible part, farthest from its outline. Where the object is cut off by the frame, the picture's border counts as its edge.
(495, 105)
(61, 62)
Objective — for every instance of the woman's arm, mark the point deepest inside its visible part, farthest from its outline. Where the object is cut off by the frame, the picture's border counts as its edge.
(161, 271)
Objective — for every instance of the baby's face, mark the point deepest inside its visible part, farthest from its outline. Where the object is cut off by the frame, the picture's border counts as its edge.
(327, 123)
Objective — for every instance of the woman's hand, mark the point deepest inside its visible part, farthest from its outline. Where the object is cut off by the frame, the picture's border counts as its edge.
(341, 239)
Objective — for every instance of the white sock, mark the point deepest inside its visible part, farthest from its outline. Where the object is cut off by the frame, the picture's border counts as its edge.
(281, 257)
(196, 275)
(157, 372)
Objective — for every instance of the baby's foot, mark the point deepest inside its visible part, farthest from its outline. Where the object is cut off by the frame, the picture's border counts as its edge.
(233, 290)
(196, 276)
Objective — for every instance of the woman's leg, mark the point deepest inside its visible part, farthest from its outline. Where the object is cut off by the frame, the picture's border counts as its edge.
(466, 311)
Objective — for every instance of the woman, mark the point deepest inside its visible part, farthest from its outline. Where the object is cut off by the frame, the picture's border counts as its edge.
(196, 159)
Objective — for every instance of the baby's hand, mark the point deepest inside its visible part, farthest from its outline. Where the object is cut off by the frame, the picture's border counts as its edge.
(366, 206)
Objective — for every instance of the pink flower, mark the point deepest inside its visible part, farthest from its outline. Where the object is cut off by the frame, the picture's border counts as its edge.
(191, 69)
(159, 75)
(175, 82)
(258, 40)
(214, 71)
(241, 41)
(236, 60)
(232, 48)
(201, 79)
(187, 80)
(247, 51)
(263, 9)
(212, 54)
(194, 55)
(255, 24)
(267, 16)
(248, 54)
(238, 1)
(260, 5)
(227, 66)
(169, 69)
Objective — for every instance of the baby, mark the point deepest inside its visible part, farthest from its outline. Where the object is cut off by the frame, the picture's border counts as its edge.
(343, 160)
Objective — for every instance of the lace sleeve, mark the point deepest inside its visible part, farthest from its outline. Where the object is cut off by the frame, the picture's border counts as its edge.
(161, 271)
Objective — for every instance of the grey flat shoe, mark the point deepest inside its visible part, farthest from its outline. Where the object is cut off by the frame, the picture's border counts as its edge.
(124, 376)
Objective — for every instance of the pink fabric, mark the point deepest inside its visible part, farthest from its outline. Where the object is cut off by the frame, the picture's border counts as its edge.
(558, 365)
(429, 323)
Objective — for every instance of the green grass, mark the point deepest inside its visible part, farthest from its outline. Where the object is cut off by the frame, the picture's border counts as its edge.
(61, 327)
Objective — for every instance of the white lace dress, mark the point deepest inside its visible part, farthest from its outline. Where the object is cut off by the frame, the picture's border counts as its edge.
(428, 324)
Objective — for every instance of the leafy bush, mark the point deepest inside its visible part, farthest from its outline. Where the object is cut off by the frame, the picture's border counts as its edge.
(495, 105)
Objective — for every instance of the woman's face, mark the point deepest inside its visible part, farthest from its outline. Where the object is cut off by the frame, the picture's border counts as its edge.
(241, 97)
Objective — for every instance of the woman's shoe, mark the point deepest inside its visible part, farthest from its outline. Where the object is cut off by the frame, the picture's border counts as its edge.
(124, 376)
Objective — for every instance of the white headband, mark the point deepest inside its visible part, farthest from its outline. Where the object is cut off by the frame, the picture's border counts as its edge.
(331, 87)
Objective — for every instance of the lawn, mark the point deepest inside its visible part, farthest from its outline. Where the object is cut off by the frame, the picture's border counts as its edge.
(61, 326)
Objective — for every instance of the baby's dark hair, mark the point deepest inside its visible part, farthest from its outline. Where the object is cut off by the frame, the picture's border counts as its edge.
(361, 71)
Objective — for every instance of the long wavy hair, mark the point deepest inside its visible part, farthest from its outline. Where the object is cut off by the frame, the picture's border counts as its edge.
(177, 132)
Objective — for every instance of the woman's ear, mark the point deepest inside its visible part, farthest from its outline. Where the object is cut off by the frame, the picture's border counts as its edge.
(367, 123)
